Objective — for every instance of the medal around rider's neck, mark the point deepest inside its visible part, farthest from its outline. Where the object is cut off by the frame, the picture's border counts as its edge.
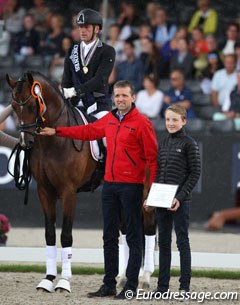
(85, 69)
(85, 60)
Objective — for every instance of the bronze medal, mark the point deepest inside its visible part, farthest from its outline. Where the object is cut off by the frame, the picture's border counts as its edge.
(85, 69)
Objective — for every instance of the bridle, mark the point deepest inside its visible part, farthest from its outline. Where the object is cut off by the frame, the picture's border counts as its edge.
(39, 122)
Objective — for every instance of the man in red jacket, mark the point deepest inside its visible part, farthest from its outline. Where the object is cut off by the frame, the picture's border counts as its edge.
(131, 145)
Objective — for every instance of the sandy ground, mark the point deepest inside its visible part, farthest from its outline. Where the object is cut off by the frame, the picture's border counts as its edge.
(19, 289)
(201, 241)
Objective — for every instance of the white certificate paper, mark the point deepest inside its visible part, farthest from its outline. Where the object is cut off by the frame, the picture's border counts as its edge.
(161, 195)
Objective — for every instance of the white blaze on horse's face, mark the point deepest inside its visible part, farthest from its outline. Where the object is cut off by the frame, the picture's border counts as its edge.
(22, 140)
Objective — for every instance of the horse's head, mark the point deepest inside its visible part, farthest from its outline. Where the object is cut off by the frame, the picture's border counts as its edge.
(27, 106)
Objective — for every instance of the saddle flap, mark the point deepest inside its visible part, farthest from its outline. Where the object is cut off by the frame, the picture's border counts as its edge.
(78, 118)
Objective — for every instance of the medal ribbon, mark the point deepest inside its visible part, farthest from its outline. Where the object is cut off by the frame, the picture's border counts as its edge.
(36, 92)
(85, 61)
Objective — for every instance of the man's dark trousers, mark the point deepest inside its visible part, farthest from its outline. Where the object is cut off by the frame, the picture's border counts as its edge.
(128, 198)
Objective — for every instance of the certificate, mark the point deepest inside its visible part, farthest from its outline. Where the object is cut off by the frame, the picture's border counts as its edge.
(161, 195)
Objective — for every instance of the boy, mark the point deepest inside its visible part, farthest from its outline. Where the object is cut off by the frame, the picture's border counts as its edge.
(179, 164)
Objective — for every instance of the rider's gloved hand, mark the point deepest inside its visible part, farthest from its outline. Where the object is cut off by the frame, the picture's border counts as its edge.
(69, 92)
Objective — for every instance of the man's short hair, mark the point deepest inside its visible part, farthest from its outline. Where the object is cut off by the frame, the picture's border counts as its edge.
(124, 84)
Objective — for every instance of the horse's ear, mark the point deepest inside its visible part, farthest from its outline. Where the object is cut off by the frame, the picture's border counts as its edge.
(30, 77)
(10, 81)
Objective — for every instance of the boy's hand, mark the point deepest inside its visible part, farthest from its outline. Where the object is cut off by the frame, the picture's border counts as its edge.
(175, 205)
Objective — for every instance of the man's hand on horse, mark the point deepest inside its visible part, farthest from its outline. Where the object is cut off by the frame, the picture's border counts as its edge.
(47, 131)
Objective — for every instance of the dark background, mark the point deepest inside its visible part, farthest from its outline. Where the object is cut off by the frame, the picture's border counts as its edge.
(220, 155)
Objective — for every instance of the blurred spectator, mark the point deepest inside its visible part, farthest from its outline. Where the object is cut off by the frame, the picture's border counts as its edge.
(202, 64)
(128, 20)
(2, 6)
(232, 106)
(144, 31)
(237, 52)
(40, 12)
(27, 41)
(151, 9)
(5, 39)
(130, 69)
(205, 18)
(113, 40)
(151, 59)
(149, 101)
(198, 45)
(74, 32)
(214, 63)
(178, 94)
(164, 30)
(169, 49)
(223, 82)
(9, 123)
(13, 16)
(57, 64)
(232, 35)
(111, 18)
(212, 44)
(231, 215)
(234, 101)
(52, 43)
(183, 60)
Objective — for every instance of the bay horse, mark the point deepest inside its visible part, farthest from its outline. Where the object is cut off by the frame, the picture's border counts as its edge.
(58, 168)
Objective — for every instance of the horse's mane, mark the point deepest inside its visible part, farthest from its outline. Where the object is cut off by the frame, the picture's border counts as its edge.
(48, 80)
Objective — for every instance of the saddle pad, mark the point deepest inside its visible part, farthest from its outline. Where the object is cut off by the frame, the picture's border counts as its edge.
(95, 151)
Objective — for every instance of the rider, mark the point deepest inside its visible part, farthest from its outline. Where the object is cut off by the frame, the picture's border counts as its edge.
(88, 66)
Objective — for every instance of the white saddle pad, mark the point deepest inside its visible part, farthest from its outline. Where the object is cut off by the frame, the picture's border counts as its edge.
(95, 151)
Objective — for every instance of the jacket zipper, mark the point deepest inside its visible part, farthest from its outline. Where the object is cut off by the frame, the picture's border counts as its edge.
(131, 159)
(114, 153)
(168, 152)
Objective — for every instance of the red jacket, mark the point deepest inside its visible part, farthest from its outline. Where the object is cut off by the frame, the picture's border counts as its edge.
(131, 145)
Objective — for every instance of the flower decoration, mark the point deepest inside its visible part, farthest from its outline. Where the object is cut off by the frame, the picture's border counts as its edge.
(4, 226)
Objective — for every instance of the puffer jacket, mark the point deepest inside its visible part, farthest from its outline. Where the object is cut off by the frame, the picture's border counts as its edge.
(179, 163)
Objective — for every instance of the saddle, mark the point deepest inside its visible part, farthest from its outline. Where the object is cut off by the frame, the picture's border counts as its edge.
(98, 150)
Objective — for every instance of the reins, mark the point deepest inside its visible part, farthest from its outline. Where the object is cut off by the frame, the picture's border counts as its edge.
(21, 180)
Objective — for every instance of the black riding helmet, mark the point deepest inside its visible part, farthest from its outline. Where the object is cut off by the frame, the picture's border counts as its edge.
(89, 16)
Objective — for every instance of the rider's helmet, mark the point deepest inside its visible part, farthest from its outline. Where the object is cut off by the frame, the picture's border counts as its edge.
(89, 16)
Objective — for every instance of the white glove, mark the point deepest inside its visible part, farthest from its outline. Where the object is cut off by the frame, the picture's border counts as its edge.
(69, 92)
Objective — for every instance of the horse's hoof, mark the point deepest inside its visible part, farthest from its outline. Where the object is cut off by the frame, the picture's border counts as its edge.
(144, 281)
(45, 286)
(63, 285)
(122, 282)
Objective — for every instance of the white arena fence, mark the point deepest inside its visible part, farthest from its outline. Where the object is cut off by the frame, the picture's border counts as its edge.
(95, 256)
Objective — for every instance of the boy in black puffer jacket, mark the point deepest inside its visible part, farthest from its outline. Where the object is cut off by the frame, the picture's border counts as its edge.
(179, 164)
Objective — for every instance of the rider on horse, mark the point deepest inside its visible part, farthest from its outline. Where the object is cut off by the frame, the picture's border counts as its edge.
(88, 66)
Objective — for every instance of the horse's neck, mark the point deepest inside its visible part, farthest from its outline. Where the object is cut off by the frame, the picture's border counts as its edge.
(56, 112)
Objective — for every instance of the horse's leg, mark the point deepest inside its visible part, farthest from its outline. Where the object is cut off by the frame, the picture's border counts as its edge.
(48, 201)
(150, 236)
(123, 255)
(69, 202)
